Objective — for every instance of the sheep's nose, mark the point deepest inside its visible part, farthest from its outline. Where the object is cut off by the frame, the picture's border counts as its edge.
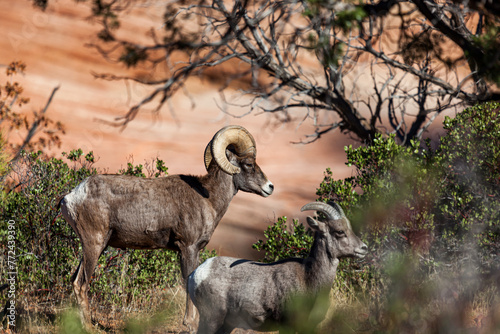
(361, 251)
(267, 189)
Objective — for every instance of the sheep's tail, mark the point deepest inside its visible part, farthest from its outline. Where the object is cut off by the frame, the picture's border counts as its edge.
(59, 200)
(58, 207)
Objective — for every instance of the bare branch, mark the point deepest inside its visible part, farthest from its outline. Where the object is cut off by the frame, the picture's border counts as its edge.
(34, 127)
(315, 57)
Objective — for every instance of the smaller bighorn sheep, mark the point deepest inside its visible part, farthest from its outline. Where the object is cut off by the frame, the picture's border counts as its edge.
(177, 212)
(234, 293)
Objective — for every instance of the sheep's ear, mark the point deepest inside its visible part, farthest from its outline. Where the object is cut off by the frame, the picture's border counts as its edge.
(314, 224)
(232, 157)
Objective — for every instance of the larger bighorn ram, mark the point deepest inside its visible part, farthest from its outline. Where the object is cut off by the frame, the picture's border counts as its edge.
(177, 212)
(233, 293)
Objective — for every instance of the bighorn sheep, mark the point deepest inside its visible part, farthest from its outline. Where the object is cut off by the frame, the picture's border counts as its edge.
(233, 293)
(177, 212)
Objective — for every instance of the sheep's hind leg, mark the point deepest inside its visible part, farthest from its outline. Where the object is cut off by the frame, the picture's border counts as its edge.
(82, 276)
(77, 281)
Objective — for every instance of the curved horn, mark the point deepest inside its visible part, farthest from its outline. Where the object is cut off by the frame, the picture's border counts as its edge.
(337, 207)
(234, 135)
(330, 211)
(208, 155)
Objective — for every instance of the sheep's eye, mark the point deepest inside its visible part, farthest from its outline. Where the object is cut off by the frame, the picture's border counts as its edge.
(249, 166)
(339, 234)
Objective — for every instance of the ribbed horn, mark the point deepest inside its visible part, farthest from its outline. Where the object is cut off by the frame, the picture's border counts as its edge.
(235, 135)
(330, 211)
(337, 207)
(208, 155)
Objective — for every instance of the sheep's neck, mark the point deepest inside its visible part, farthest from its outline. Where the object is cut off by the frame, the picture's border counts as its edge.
(321, 265)
(220, 190)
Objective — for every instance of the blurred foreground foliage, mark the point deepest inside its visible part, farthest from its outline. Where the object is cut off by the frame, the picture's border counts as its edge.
(431, 218)
(48, 246)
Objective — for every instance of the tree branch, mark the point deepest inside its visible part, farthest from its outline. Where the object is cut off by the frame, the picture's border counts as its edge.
(34, 126)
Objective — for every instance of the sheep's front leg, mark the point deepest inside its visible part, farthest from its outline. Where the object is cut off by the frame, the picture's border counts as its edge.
(189, 261)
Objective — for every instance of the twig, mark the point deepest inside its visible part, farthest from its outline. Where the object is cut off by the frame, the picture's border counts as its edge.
(34, 127)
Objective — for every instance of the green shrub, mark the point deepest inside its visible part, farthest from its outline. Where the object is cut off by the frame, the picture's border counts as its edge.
(282, 243)
(44, 242)
(4, 159)
(409, 197)
(471, 161)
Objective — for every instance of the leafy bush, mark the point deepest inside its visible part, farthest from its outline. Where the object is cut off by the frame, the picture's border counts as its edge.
(281, 243)
(471, 159)
(4, 159)
(419, 198)
(44, 242)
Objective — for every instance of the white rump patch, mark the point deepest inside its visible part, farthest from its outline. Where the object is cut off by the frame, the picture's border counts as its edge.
(75, 197)
(203, 271)
(198, 276)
